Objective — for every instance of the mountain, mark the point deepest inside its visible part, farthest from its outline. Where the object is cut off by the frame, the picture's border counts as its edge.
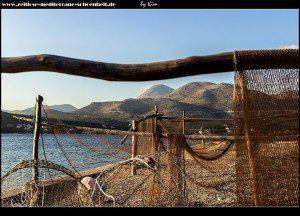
(123, 112)
(218, 96)
(198, 99)
(63, 107)
(30, 111)
(156, 91)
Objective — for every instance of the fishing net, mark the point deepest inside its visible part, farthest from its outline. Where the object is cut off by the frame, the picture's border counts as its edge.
(180, 177)
(53, 186)
(172, 182)
(163, 161)
(266, 109)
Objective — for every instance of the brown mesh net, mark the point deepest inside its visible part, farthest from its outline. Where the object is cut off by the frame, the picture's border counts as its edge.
(186, 172)
(261, 169)
(56, 186)
(266, 109)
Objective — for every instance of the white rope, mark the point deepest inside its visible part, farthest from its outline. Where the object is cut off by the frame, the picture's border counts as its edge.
(107, 195)
(138, 158)
(15, 204)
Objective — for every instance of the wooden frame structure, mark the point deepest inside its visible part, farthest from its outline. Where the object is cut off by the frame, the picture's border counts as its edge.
(194, 65)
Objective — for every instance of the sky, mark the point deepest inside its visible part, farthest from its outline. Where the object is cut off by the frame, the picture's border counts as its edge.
(129, 36)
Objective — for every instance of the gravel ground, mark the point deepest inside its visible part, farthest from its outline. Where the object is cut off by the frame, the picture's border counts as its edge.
(214, 189)
(192, 184)
(202, 187)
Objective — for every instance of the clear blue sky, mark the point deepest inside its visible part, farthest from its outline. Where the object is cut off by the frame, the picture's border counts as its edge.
(128, 36)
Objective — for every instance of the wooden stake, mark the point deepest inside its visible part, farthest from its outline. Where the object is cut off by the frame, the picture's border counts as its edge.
(154, 140)
(134, 146)
(183, 122)
(35, 150)
(35, 193)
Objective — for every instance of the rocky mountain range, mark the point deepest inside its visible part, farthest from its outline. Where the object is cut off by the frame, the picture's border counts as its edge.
(198, 99)
(192, 96)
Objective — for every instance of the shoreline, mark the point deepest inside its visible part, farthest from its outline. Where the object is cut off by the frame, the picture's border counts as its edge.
(210, 190)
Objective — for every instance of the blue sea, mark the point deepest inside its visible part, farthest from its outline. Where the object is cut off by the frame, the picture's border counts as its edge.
(17, 147)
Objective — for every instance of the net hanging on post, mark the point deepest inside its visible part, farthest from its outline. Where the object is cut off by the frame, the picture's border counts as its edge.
(266, 107)
(266, 170)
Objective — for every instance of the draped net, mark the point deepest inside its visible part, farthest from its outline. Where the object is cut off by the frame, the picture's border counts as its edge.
(260, 167)
(266, 111)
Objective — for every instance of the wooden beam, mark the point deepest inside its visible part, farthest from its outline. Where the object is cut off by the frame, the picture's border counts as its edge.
(213, 137)
(201, 119)
(189, 66)
(164, 135)
(234, 138)
(193, 65)
(98, 130)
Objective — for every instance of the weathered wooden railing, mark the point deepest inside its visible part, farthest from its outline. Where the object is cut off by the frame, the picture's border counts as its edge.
(164, 135)
(194, 65)
(120, 72)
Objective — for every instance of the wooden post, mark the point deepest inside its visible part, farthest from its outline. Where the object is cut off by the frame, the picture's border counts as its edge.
(155, 122)
(183, 122)
(35, 150)
(202, 141)
(181, 178)
(134, 146)
(35, 194)
(154, 140)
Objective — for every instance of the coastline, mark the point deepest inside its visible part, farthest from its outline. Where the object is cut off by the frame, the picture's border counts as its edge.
(203, 187)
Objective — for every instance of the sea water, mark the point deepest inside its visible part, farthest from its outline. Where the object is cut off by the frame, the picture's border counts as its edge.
(62, 150)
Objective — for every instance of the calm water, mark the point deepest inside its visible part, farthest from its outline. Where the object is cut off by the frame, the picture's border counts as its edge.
(16, 147)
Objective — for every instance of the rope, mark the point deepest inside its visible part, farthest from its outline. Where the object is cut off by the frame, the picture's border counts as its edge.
(100, 184)
(65, 154)
(44, 151)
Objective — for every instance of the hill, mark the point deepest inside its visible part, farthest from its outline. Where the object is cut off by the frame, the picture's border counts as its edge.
(9, 124)
(30, 111)
(156, 91)
(218, 96)
(198, 99)
(63, 107)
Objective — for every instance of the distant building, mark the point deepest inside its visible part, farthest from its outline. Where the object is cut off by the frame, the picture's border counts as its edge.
(28, 127)
(45, 128)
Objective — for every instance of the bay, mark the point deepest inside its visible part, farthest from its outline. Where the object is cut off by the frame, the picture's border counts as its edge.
(63, 149)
